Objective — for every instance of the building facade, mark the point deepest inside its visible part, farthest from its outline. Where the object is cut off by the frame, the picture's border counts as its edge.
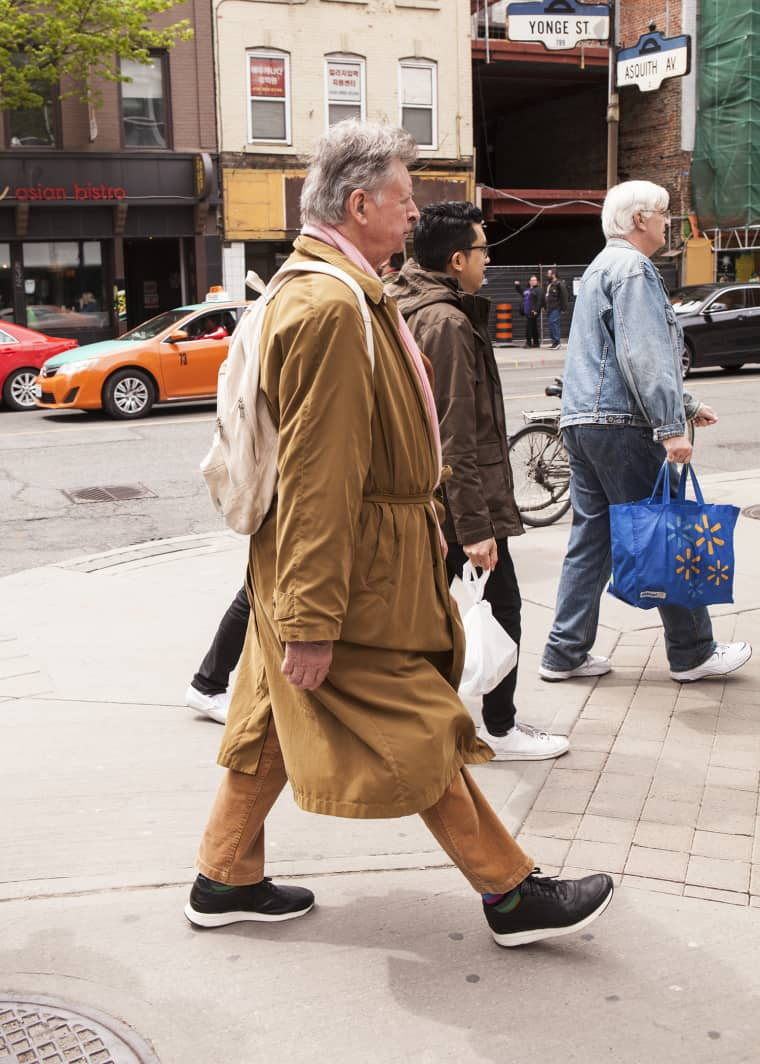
(109, 216)
(287, 69)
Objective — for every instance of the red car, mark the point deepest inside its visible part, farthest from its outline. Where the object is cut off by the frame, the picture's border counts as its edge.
(22, 352)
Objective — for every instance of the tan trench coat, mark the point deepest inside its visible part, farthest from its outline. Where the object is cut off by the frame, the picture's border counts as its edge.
(350, 553)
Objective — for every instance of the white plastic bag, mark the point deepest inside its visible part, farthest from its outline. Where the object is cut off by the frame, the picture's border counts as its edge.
(490, 653)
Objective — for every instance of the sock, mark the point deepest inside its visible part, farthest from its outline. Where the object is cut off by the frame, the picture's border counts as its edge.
(211, 884)
(506, 902)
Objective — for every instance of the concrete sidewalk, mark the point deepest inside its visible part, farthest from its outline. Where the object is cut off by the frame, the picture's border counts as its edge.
(515, 356)
(106, 781)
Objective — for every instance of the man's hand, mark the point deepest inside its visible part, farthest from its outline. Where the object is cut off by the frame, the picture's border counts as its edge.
(483, 554)
(307, 664)
(705, 415)
(678, 448)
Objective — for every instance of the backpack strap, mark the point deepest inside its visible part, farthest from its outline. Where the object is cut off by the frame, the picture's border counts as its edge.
(317, 266)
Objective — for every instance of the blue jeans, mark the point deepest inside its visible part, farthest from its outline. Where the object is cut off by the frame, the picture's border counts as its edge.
(611, 465)
(553, 317)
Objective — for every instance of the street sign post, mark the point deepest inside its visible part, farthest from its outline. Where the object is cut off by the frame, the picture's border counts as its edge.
(653, 59)
(558, 24)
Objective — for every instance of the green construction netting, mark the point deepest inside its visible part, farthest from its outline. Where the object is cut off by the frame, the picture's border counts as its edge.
(726, 165)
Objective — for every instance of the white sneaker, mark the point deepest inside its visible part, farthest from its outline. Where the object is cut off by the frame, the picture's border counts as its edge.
(213, 706)
(524, 743)
(594, 665)
(727, 657)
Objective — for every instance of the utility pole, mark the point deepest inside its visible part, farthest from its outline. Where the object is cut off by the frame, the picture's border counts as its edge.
(613, 102)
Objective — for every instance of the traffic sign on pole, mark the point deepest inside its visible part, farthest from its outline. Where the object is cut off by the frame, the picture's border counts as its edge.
(558, 24)
(653, 59)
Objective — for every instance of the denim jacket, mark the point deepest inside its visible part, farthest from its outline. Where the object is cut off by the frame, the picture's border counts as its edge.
(623, 363)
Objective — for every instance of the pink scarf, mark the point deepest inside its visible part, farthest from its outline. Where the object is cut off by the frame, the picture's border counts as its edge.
(328, 234)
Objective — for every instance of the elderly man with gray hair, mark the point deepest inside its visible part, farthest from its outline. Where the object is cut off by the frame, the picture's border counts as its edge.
(347, 687)
(624, 411)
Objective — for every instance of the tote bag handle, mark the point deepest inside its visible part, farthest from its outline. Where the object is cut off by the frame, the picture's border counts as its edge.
(662, 484)
(686, 472)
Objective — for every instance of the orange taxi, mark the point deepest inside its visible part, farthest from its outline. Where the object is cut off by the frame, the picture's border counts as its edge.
(173, 356)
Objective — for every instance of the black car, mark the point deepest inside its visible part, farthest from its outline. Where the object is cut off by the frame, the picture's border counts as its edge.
(721, 324)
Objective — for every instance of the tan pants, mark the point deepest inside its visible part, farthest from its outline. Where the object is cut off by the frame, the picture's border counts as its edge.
(462, 821)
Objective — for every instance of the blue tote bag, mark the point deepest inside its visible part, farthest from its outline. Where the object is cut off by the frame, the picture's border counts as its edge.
(672, 551)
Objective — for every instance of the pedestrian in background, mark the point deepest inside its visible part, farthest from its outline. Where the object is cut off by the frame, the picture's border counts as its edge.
(347, 683)
(556, 302)
(531, 302)
(438, 296)
(624, 411)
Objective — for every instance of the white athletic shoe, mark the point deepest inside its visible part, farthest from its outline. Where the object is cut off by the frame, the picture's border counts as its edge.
(727, 657)
(524, 743)
(594, 665)
(213, 706)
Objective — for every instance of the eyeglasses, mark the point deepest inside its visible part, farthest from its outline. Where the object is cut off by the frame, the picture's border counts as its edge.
(472, 247)
(663, 214)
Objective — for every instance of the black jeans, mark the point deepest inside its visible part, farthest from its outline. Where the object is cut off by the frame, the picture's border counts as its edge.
(531, 332)
(213, 676)
(503, 593)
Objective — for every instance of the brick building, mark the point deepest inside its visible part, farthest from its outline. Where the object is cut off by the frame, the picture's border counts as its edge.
(286, 69)
(113, 210)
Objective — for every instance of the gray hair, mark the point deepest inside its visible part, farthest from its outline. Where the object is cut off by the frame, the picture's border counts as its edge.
(351, 155)
(624, 200)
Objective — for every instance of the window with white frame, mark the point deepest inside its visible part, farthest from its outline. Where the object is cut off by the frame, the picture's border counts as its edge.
(344, 88)
(417, 92)
(269, 96)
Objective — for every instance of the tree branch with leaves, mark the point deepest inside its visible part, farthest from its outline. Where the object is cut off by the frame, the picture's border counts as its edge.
(78, 43)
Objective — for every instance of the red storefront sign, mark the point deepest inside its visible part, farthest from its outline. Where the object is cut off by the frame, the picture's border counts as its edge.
(267, 77)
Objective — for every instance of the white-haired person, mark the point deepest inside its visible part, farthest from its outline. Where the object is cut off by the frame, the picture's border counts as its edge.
(347, 685)
(624, 410)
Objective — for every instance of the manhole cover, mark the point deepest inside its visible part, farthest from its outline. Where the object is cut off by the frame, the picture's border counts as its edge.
(752, 511)
(46, 1030)
(110, 493)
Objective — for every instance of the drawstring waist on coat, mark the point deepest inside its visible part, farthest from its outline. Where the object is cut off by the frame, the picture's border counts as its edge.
(398, 500)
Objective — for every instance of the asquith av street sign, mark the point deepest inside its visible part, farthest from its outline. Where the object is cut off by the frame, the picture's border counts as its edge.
(653, 59)
(558, 24)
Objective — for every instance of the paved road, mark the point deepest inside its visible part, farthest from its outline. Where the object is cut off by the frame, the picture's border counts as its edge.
(44, 456)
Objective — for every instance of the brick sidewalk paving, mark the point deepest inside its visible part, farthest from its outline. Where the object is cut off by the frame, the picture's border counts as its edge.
(660, 787)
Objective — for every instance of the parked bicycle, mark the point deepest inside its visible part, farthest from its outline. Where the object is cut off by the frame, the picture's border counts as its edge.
(540, 466)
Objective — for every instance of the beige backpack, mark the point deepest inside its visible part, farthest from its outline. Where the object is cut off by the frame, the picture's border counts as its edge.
(240, 470)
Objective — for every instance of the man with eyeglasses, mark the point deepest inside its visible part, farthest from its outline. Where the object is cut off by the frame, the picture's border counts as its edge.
(438, 296)
(624, 411)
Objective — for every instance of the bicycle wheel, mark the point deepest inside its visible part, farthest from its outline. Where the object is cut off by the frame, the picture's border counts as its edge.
(541, 473)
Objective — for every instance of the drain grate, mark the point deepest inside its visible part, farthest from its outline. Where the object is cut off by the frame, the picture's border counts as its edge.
(49, 1031)
(110, 493)
(752, 511)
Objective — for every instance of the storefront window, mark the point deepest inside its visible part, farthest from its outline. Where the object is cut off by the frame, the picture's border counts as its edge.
(143, 104)
(6, 284)
(64, 286)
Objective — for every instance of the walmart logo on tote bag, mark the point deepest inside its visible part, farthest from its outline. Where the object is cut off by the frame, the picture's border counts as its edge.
(673, 551)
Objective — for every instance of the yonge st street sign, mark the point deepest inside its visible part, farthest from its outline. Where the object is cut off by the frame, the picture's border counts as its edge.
(558, 24)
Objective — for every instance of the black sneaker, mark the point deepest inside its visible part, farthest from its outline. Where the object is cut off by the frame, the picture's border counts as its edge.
(549, 907)
(261, 901)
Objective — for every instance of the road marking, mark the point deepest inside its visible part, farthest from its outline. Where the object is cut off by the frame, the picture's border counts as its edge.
(114, 427)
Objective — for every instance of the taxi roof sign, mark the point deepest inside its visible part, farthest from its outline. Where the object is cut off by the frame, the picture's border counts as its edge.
(558, 24)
